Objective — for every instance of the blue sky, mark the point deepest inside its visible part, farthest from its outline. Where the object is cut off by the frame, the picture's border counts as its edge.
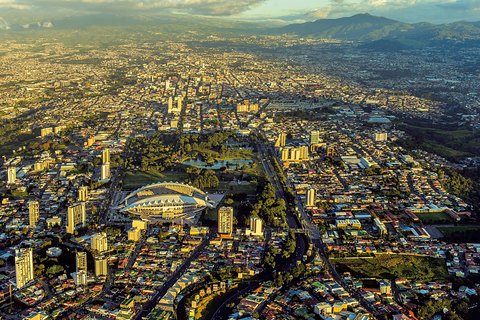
(284, 10)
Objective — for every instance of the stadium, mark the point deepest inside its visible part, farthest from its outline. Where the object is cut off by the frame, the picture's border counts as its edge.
(167, 202)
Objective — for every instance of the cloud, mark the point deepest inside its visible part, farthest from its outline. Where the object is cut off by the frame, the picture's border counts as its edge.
(205, 7)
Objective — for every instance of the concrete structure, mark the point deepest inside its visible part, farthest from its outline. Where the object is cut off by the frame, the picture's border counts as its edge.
(167, 202)
(99, 242)
(311, 197)
(33, 213)
(11, 175)
(81, 261)
(23, 266)
(225, 221)
(83, 194)
(101, 266)
(256, 227)
(76, 217)
(281, 140)
(315, 137)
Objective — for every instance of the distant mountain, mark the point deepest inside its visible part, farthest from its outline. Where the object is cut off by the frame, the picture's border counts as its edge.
(365, 27)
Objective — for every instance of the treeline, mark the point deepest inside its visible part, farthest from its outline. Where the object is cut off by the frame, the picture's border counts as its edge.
(276, 256)
(202, 178)
(270, 208)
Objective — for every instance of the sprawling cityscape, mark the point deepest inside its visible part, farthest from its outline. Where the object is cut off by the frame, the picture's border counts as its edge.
(211, 175)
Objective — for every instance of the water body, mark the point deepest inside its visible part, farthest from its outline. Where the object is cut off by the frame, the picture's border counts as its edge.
(229, 164)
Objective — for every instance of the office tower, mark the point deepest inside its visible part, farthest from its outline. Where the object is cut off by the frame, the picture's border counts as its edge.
(33, 213)
(11, 175)
(100, 242)
(256, 227)
(314, 137)
(76, 217)
(106, 156)
(23, 266)
(167, 84)
(80, 278)
(282, 140)
(179, 104)
(311, 197)
(225, 221)
(105, 174)
(83, 194)
(101, 268)
(81, 261)
(380, 137)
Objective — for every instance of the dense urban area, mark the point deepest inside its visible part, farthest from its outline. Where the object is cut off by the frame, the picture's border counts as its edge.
(243, 177)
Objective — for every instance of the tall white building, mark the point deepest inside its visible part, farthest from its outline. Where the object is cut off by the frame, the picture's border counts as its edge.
(23, 266)
(106, 156)
(105, 171)
(380, 137)
(256, 227)
(99, 242)
(311, 197)
(33, 213)
(11, 175)
(80, 278)
(76, 217)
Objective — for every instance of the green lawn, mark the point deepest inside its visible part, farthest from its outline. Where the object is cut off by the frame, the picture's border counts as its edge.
(435, 218)
(138, 179)
(394, 266)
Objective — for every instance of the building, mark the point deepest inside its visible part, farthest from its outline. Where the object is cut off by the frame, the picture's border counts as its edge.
(225, 221)
(311, 197)
(46, 131)
(380, 137)
(134, 234)
(331, 151)
(101, 267)
(83, 194)
(105, 171)
(23, 266)
(11, 175)
(106, 156)
(315, 137)
(385, 287)
(281, 140)
(140, 224)
(99, 242)
(295, 154)
(33, 213)
(256, 227)
(167, 202)
(80, 278)
(54, 222)
(81, 261)
(76, 217)
(247, 106)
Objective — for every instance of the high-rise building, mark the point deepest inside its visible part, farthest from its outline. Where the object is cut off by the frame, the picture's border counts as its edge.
(105, 171)
(80, 278)
(311, 197)
(11, 175)
(83, 194)
(106, 156)
(295, 154)
(331, 151)
(81, 261)
(33, 213)
(385, 287)
(100, 242)
(315, 137)
(101, 267)
(76, 217)
(256, 227)
(23, 266)
(140, 224)
(170, 105)
(281, 140)
(225, 221)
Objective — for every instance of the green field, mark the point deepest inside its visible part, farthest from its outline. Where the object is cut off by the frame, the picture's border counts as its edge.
(435, 218)
(394, 266)
(139, 179)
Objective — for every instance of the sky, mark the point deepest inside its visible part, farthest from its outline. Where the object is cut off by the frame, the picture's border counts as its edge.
(436, 11)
